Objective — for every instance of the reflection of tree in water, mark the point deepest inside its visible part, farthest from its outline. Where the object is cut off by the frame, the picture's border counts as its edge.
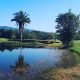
(7, 47)
(20, 67)
(68, 59)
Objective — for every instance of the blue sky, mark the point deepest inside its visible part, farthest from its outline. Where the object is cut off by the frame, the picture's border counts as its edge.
(42, 12)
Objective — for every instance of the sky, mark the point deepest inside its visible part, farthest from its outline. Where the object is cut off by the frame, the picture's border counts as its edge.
(42, 13)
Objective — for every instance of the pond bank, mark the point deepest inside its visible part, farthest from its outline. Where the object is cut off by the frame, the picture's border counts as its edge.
(62, 73)
(31, 43)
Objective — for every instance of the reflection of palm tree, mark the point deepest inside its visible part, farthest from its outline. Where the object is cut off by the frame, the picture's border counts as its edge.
(20, 66)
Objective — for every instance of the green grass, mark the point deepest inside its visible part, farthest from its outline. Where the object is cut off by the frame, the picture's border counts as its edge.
(7, 42)
(76, 47)
(33, 43)
(3, 40)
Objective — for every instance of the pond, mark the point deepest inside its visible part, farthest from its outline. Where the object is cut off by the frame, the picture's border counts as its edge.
(27, 63)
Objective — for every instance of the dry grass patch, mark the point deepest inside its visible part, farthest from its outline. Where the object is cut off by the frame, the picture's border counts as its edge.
(64, 74)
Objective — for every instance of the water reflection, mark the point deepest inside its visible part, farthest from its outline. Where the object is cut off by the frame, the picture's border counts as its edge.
(67, 59)
(20, 67)
(17, 67)
(10, 47)
(4, 47)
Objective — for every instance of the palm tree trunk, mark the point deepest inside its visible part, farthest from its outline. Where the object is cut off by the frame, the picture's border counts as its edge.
(21, 36)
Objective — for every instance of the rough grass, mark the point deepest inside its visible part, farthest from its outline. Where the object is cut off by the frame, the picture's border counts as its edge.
(60, 73)
(55, 44)
(63, 74)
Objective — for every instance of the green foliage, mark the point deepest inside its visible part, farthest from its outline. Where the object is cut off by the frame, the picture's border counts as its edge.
(77, 35)
(21, 18)
(31, 35)
(6, 33)
(67, 25)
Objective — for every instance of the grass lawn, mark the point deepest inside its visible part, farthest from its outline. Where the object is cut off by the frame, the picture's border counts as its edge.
(76, 47)
(7, 42)
(3, 40)
(57, 44)
(36, 43)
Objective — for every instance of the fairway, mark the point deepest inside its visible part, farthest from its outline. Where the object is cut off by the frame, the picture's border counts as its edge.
(3, 40)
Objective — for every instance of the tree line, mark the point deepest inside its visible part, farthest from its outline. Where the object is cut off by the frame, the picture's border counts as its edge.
(15, 34)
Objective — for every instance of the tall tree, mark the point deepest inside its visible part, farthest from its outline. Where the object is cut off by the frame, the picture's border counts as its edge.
(21, 18)
(67, 25)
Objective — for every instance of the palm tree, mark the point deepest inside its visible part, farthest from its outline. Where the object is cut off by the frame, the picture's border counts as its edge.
(21, 18)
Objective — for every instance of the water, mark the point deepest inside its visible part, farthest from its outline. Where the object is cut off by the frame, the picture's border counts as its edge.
(29, 62)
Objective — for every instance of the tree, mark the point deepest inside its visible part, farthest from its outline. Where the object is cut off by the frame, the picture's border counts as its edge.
(77, 35)
(21, 18)
(67, 25)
